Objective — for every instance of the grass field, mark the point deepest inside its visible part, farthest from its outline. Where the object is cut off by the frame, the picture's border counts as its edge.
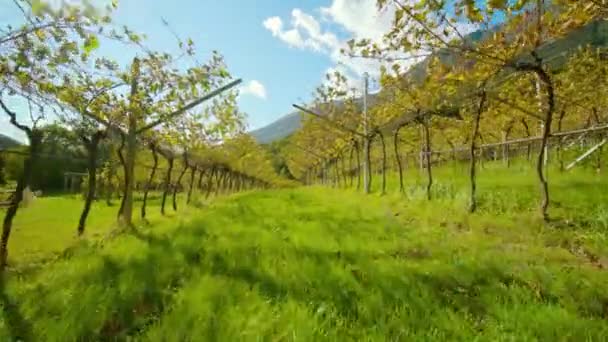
(46, 228)
(330, 264)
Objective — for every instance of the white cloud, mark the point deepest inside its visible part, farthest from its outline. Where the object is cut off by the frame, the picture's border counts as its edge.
(274, 25)
(360, 19)
(97, 4)
(304, 34)
(255, 88)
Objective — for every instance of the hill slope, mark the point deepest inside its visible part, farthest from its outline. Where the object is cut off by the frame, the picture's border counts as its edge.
(7, 142)
(279, 129)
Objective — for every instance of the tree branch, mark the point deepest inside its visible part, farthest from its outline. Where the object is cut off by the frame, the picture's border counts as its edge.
(331, 122)
(190, 105)
(13, 119)
(441, 40)
(101, 92)
(515, 106)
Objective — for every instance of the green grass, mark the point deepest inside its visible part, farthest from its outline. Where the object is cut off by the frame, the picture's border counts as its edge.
(47, 227)
(325, 264)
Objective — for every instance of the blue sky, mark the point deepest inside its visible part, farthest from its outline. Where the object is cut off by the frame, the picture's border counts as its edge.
(280, 48)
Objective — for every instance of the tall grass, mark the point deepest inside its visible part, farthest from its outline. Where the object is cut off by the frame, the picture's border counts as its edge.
(323, 264)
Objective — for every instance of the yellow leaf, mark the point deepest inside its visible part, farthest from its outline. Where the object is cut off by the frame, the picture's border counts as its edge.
(40, 34)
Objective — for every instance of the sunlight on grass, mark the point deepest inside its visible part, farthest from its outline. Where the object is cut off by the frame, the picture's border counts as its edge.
(48, 226)
(323, 264)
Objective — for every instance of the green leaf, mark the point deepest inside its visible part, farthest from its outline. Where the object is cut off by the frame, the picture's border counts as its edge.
(398, 15)
(38, 7)
(497, 4)
(134, 38)
(90, 44)
(224, 73)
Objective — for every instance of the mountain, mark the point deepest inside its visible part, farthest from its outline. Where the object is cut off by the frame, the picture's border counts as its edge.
(558, 50)
(289, 123)
(7, 142)
(279, 129)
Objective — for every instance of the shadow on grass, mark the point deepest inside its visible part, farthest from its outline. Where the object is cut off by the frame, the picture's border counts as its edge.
(348, 289)
(343, 280)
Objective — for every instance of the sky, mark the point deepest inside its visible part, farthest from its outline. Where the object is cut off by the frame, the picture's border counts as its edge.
(282, 49)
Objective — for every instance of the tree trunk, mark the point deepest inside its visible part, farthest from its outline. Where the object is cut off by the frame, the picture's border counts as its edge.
(337, 172)
(560, 143)
(529, 145)
(178, 185)
(210, 182)
(343, 171)
(600, 137)
(238, 182)
(508, 152)
(192, 174)
(123, 162)
(324, 173)
(544, 77)
(167, 185)
(367, 167)
(150, 180)
(427, 151)
(35, 138)
(383, 162)
(109, 186)
(358, 165)
(92, 147)
(127, 207)
(220, 178)
(473, 180)
(225, 179)
(230, 183)
(504, 149)
(599, 159)
(351, 173)
(398, 158)
(200, 179)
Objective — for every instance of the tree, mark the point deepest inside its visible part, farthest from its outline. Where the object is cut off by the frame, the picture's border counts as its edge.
(84, 98)
(514, 48)
(34, 57)
(159, 94)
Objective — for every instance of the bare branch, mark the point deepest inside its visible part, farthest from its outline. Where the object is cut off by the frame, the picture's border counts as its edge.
(515, 106)
(190, 105)
(392, 59)
(333, 123)
(447, 45)
(101, 92)
(13, 119)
